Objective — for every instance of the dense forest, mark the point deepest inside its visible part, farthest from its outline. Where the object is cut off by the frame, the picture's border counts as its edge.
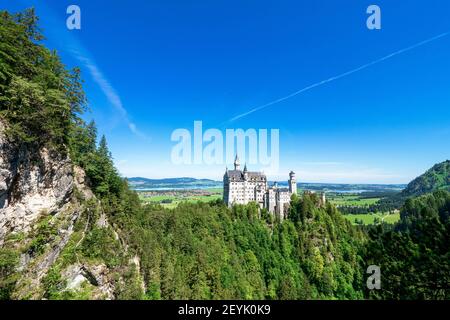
(414, 254)
(207, 251)
(203, 250)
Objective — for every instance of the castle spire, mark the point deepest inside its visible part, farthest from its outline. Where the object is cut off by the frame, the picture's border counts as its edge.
(237, 164)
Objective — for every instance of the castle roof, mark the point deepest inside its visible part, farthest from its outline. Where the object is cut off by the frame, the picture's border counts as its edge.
(238, 175)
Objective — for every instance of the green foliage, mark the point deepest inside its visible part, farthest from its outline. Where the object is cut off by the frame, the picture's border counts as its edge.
(207, 251)
(39, 98)
(100, 244)
(437, 178)
(43, 233)
(9, 259)
(414, 256)
(100, 169)
(82, 144)
(330, 247)
(130, 288)
(53, 284)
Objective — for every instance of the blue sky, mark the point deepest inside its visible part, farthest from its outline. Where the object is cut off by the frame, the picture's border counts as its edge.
(151, 67)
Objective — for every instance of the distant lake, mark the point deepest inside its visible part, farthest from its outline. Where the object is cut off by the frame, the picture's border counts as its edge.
(178, 188)
(330, 188)
(348, 191)
(220, 186)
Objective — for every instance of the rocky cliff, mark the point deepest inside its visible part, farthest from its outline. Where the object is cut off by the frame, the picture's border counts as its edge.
(47, 210)
(31, 182)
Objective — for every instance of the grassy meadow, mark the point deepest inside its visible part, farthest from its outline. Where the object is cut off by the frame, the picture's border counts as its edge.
(351, 200)
(367, 219)
(171, 199)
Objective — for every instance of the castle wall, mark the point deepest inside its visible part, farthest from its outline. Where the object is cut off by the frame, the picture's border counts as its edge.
(242, 187)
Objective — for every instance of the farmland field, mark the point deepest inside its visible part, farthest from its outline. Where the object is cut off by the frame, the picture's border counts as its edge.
(351, 200)
(344, 201)
(370, 218)
(170, 199)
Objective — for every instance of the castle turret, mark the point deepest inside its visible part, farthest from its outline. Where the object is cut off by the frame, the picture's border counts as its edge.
(323, 199)
(226, 187)
(237, 164)
(292, 182)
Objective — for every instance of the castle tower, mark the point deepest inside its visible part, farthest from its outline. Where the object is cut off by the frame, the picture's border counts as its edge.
(237, 164)
(292, 182)
(245, 172)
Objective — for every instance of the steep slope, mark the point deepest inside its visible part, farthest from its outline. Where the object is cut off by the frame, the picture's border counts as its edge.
(31, 182)
(436, 178)
(49, 219)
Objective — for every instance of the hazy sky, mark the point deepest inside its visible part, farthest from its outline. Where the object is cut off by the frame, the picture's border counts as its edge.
(151, 67)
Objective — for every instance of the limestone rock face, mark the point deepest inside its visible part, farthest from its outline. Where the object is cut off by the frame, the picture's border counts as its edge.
(31, 182)
(43, 190)
(96, 275)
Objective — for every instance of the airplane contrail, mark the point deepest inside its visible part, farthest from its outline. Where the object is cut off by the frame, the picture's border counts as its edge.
(342, 75)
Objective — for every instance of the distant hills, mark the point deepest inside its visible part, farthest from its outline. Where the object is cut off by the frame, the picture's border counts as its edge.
(139, 180)
(436, 178)
(139, 183)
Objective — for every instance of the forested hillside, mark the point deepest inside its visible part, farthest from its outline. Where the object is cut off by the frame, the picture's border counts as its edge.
(207, 251)
(414, 255)
(436, 178)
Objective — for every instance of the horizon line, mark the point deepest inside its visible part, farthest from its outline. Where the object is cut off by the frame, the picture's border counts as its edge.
(275, 180)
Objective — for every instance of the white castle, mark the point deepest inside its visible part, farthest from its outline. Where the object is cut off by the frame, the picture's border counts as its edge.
(242, 187)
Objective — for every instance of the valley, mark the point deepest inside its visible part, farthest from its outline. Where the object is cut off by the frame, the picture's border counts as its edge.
(169, 193)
